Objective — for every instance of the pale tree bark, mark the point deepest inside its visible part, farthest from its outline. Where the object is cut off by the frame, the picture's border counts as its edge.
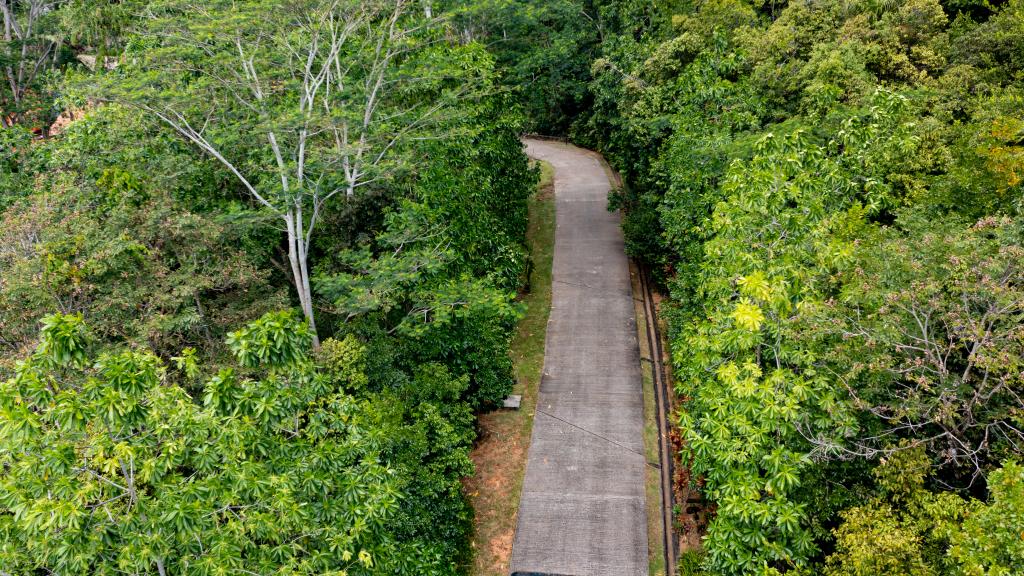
(21, 30)
(341, 77)
(950, 387)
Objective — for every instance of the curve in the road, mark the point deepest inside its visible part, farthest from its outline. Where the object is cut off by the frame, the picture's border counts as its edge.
(582, 510)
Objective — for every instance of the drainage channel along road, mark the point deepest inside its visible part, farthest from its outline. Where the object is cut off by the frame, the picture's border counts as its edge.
(662, 410)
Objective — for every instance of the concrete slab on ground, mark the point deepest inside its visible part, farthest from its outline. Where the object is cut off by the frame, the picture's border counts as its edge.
(582, 511)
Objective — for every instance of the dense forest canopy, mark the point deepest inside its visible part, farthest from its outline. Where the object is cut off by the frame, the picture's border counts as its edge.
(258, 265)
(186, 188)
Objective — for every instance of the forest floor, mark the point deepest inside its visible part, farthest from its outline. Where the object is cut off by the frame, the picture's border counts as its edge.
(500, 452)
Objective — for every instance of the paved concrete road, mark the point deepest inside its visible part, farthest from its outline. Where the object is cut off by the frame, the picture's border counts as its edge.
(582, 511)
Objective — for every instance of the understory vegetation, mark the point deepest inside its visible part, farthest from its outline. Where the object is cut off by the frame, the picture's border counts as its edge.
(503, 439)
(831, 192)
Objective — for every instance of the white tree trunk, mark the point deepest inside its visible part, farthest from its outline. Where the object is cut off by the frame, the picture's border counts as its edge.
(298, 259)
(329, 82)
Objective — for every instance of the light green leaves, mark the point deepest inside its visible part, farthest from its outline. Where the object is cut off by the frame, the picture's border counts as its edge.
(123, 452)
(277, 340)
(748, 424)
(748, 315)
(64, 340)
(991, 540)
(755, 285)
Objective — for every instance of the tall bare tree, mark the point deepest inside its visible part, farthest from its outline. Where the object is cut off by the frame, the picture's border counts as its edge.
(304, 102)
(27, 46)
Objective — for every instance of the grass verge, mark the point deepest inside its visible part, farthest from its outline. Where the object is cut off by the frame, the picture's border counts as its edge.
(500, 452)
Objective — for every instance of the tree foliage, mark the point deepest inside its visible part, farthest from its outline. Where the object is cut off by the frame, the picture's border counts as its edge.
(830, 192)
(304, 104)
(176, 405)
(110, 464)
